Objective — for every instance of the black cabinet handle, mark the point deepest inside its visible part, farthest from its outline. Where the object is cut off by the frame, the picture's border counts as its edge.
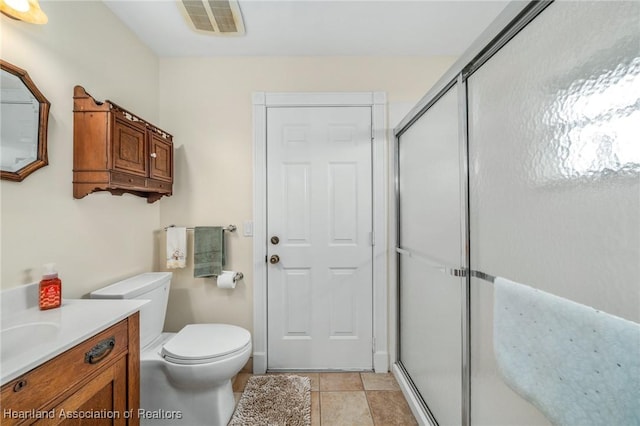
(100, 351)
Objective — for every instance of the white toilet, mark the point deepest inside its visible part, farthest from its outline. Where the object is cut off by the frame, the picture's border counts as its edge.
(185, 377)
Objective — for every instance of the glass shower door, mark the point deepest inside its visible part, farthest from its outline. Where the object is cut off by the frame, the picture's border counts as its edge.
(430, 254)
(554, 164)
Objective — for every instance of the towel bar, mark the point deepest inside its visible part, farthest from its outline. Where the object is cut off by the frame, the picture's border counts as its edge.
(447, 269)
(483, 276)
(228, 228)
(433, 262)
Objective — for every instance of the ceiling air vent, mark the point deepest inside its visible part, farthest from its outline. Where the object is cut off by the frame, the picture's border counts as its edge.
(219, 17)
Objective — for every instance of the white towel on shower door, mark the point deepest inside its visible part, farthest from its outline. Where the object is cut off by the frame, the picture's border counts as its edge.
(176, 247)
(578, 365)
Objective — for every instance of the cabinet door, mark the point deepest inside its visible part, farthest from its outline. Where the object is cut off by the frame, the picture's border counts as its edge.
(102, 401)
(161, 165)
(129, 147)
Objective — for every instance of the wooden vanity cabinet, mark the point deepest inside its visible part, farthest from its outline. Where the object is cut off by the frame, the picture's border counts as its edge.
(97, 382)
(115, 150)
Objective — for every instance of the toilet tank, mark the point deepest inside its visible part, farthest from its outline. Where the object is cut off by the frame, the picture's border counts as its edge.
(153, 286)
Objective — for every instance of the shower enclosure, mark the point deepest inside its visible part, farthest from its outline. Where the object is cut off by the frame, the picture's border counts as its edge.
(523, 163)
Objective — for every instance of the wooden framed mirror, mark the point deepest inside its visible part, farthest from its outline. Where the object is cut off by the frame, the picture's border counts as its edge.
(24, 115)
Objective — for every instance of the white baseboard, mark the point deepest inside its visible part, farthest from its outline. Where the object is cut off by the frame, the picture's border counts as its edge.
(381, 362)
(259, 363)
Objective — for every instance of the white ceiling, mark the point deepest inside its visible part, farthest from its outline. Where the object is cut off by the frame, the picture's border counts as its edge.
(317, 27)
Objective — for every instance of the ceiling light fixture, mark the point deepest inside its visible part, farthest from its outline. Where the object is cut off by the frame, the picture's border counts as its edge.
(24, 10)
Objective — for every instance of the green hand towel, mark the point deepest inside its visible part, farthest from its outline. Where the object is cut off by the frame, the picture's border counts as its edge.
(208, 251)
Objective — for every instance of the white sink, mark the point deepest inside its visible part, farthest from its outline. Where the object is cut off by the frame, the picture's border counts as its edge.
(29, 337)
(14, 340)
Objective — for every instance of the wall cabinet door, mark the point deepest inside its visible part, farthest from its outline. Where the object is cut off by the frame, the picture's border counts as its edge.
(161, 156)
(129, 147)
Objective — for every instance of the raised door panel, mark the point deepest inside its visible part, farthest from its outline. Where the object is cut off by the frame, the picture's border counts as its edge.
(343, 290)
(343, 203)
(296, 292)
(297, 204)
(129, 147)
(161, 165)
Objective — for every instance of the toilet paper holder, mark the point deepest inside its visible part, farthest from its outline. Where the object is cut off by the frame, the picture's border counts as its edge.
(236, 277)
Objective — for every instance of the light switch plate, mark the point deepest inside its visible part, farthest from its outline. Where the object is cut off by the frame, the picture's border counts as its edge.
(247, 228)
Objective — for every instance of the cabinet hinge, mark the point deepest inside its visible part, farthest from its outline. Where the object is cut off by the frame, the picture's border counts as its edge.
(373, 346)
(372, 238)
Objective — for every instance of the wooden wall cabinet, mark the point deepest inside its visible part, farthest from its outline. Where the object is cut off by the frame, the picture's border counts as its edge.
(72, 384)
(115, 150)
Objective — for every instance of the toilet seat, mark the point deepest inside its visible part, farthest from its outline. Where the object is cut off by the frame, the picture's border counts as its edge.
(204, 343)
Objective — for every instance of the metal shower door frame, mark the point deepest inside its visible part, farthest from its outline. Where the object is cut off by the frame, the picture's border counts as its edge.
(511, 21)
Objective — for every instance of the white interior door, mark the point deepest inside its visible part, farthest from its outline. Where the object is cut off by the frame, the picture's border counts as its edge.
(319, 207)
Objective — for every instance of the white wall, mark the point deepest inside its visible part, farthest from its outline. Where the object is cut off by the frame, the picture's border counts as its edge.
(100, 238)
(206, 104)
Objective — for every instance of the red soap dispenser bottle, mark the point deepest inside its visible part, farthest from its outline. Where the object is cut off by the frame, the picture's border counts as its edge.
(50, 288)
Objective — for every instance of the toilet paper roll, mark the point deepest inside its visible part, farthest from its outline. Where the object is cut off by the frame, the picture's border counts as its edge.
(227, 279)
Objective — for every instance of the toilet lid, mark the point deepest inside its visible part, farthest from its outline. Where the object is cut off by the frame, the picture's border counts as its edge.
(206, 341)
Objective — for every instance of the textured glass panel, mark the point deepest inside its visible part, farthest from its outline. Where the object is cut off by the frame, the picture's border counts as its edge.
(430, 305)
(430, 336)
(554, 119)
(430, 183)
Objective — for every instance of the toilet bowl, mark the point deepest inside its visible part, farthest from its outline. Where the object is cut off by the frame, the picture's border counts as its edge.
(185, 377)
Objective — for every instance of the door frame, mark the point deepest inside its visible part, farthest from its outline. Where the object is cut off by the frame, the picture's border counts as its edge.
(378, 103)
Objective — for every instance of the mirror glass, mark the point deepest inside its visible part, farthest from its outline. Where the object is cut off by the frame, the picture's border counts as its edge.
(24, 114)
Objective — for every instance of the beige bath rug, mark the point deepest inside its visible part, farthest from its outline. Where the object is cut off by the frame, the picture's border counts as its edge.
(274, 400)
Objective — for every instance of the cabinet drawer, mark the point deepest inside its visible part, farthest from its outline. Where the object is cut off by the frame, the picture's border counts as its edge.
(159, 186)
(123, 179)
(47, 383)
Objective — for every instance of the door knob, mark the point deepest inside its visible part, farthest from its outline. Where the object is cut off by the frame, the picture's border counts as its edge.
(274, 259)
(275, 240)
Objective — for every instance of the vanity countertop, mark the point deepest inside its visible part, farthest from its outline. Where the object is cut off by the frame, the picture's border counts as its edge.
(46, 334)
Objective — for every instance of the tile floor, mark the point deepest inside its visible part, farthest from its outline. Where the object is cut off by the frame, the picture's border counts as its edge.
(340, 399)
